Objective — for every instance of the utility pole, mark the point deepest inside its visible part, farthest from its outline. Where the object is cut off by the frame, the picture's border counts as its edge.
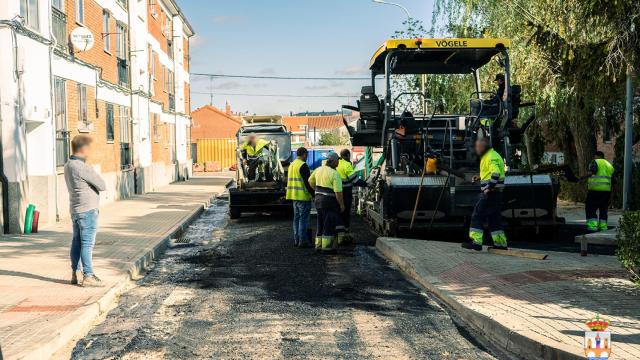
(628, 143)
(211, 90)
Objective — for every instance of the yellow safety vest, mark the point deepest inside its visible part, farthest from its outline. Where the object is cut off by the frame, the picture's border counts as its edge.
(295, 184)
(492, 169)
(326, 180)
(601, 180)
(252, 151)
(347, 174)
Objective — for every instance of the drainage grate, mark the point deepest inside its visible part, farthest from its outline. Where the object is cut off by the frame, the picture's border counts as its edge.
(182, 240)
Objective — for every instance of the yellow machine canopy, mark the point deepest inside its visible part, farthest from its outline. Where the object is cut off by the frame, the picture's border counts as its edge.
(437, 56)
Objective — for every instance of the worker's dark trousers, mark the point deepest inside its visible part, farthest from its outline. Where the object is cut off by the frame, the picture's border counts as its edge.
(487, 210)
(597, 208)
(347, 193)
(328, 219)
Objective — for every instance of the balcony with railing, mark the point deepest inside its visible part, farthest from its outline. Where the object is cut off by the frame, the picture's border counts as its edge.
(59, 24)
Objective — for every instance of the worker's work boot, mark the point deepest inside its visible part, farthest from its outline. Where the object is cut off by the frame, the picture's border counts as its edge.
(318, 243)
(472, 246)
(499, 240)
(342, 240)
(91, 281)
(74, 278)
(592, 224)
(328, 244)
(603, 226)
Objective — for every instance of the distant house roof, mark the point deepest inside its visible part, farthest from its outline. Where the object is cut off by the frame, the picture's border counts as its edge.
(298, 123)
(209, 122)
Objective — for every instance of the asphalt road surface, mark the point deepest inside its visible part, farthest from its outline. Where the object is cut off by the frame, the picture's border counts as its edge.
(240, 290)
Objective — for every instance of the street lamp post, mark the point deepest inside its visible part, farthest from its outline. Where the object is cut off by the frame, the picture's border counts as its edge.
(394, 4)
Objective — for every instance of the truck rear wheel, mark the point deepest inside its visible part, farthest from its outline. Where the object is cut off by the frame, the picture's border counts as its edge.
(234, 213)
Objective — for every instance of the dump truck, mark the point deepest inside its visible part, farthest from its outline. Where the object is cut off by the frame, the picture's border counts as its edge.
(422, 176)
(261, 180)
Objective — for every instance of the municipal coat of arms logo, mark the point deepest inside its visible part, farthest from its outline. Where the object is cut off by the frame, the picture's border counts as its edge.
(597, 341)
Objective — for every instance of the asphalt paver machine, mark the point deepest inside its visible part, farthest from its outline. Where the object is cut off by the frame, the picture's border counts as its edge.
(261, 179)
(423, 178)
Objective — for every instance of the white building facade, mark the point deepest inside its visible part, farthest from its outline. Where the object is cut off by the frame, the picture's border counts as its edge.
(129, 92)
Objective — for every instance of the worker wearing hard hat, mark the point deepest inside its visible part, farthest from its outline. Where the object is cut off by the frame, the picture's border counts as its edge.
(329, 202)
(349, 180)
(300, 192)
(250, 151)
(599, 186)
(489, 205)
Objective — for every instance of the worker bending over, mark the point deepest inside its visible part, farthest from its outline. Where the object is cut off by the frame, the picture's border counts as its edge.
(349, 180)
(300, 192)
(251, 151)
(599, 186)
(329, 202)
(490, 202)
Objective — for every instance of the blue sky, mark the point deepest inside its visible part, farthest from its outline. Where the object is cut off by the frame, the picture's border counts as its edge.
(324, 38)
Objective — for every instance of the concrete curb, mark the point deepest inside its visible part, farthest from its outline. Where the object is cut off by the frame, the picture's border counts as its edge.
(84, 317)
(511, 341)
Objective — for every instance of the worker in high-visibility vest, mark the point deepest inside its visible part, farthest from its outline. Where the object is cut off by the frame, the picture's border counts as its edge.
(349, 180)
(329, 202)
(300, 192)
(489, 205)
(251, 151)
(599, 186)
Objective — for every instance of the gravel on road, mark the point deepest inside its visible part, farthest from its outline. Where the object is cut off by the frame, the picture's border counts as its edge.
(240, 290)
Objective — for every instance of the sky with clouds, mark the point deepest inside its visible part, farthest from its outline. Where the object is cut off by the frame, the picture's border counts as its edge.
(306, 38)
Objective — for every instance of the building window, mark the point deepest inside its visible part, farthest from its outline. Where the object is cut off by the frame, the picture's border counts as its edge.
(153, 64)
(59, 26)
(121, 53)
(29, 11)
(123, 3)
(83, 117)
(105, 31)
(109, 122)
(58, 4)
(80, 11)
(156, 131)
(125, 138)
(164, 79)
(62, 132)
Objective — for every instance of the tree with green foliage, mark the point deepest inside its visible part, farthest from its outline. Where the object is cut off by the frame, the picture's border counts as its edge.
(333, 137)
(568, 55)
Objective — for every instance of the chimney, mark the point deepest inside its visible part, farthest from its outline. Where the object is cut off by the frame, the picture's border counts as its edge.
(227, 108)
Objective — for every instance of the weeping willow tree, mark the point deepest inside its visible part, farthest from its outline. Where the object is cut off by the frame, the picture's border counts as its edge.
(567, 56)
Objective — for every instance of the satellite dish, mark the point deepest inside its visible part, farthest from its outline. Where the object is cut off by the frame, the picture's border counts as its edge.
(82, 39)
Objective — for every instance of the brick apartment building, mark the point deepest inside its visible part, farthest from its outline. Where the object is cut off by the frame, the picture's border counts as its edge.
(129, 91)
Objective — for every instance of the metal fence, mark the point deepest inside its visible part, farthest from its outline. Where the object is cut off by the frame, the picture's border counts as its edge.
(222, 151)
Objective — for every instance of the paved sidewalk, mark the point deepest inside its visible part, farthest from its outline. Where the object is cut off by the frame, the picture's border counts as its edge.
(573, 213)
(40, 312)
(536, 309)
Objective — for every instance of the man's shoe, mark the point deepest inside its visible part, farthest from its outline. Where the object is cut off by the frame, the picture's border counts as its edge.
(472, 246)
(92, 281)
(74, 278)
(499, 247)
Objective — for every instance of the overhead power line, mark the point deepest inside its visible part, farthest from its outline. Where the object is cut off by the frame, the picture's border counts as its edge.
(275, 95)
(281, 77)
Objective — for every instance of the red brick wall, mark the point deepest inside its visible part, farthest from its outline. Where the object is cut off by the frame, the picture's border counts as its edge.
(105, 153)
(185, 49)
(187, 98)
(97, 55)
(211, 123)
(161, 145)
